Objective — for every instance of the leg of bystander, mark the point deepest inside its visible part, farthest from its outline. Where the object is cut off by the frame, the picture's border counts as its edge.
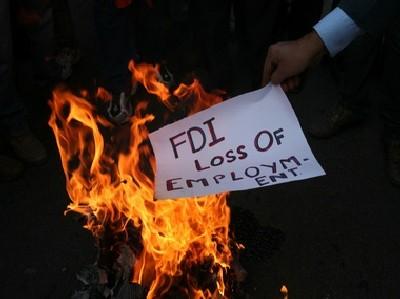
(12, 117)
(391, 109)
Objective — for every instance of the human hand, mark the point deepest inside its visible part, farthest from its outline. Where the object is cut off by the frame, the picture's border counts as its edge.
(286, 60)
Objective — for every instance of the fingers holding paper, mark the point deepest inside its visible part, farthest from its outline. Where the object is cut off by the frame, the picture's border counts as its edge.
(287, 60)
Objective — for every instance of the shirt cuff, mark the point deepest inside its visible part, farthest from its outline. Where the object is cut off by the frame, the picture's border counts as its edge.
(337, 30)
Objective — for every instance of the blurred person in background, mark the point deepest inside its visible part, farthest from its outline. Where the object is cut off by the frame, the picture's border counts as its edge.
(302, 16)
(115, 48)
(259, 24)
(15, 129)
(49, 37)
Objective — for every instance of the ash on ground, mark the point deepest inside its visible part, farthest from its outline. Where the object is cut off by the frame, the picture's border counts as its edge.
(113, 281)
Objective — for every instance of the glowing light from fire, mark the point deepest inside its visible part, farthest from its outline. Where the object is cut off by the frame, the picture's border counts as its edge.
(109, 178)
(285, 292)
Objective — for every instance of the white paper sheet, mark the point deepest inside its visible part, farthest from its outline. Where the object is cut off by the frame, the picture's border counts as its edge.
(250, 141)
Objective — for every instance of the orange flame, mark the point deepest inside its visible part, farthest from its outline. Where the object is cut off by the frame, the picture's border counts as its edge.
(109, 178)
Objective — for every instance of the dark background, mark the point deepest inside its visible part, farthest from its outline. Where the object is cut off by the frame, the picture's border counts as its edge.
(341, 236)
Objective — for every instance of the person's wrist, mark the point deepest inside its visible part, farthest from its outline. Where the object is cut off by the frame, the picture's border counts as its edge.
(313, 46)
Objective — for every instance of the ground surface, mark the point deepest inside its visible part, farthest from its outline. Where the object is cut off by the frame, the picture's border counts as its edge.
(341, 231)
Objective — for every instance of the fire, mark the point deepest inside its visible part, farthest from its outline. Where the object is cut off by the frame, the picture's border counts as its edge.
(109, 178)
(285, 292)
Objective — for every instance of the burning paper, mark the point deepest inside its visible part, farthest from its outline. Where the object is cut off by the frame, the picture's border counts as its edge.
(171, 249)
(250, 141)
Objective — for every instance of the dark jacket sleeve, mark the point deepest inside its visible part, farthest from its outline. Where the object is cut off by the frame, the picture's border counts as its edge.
(372, 15)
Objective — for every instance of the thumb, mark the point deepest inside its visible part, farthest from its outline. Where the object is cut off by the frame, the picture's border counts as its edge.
(279, 75)
(268, 69)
